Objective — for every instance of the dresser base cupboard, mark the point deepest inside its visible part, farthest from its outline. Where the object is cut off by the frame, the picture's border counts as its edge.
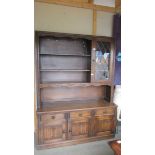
(74, 89)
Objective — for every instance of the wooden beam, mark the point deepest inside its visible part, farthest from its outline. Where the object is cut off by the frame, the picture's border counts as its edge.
(94, 22)
(118, 5)
(91, 1)
(79, 5)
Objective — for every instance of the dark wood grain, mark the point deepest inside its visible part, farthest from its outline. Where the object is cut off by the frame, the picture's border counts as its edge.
(75, 84)
(64, 62)
(65, 76)
(64, 106)
(72, 105)
(71, 93)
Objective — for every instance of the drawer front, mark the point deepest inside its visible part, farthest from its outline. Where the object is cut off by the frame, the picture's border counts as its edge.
(52, 119)
(80, 114)
(108, 110)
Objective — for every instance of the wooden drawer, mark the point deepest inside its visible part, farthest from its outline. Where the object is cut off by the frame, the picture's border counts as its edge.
(108, 110)
(51, 119)
(80, 114)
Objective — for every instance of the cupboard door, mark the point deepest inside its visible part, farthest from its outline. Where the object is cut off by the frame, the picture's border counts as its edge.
(101, 61)
(53, 128)
(79, 125)
(104, 125)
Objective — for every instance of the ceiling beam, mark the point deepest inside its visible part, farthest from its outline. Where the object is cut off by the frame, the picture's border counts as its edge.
(79, 5)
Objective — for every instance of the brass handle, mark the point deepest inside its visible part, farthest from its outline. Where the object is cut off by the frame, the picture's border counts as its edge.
(53, 117)
(80, 115)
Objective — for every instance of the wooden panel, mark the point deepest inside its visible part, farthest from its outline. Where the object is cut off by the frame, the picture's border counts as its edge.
(64, 76)
(79, 128)
(80, 114)
(104, 125)
(51, 134)
(105, 111)
(64, 62)
(54, 45)
(75, 93)
(52, 119)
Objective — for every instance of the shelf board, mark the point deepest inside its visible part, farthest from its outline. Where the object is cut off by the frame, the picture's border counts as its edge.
(80, 55)
(64, 70)
(73, 84)
(72, 105)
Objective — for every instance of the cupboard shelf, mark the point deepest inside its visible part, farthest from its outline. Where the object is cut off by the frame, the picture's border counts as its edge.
(51, 54)
(63, 70)
(73, 84)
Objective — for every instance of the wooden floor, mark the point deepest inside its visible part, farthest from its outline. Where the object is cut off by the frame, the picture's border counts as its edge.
(93, 148)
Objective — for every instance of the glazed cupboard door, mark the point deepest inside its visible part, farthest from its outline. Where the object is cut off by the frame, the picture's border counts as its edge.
(52, 128)
(102, 64)
(79, 125)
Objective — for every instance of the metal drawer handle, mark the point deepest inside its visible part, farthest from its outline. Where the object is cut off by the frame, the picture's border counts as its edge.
(80, 115)
(52, 117)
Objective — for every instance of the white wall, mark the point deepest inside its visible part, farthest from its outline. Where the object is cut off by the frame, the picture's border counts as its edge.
(58, 18)
(110, 3)
(104, 23)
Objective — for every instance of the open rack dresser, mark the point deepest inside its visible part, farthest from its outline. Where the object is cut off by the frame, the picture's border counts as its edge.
(74, 87)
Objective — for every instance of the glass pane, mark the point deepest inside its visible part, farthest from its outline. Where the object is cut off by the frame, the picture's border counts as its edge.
(102, 60)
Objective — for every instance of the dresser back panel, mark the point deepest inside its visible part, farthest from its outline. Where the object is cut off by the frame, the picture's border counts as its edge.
(64, 76)
(65, 62)
(64, 45)
(73, 93)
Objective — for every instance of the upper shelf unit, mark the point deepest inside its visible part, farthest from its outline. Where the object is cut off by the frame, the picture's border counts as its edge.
(75, 60)
(64, 59)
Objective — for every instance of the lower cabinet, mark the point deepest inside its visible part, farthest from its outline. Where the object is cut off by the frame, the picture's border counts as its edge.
(104, 121)
(104, 125)
(78, 125)
(52, 128)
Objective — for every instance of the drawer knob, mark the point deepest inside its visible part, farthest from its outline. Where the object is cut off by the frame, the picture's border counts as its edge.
(52, 117)
(80, 115)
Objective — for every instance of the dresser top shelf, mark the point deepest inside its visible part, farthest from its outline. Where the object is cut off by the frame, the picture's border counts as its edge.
(63, 106)
(74, 84)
